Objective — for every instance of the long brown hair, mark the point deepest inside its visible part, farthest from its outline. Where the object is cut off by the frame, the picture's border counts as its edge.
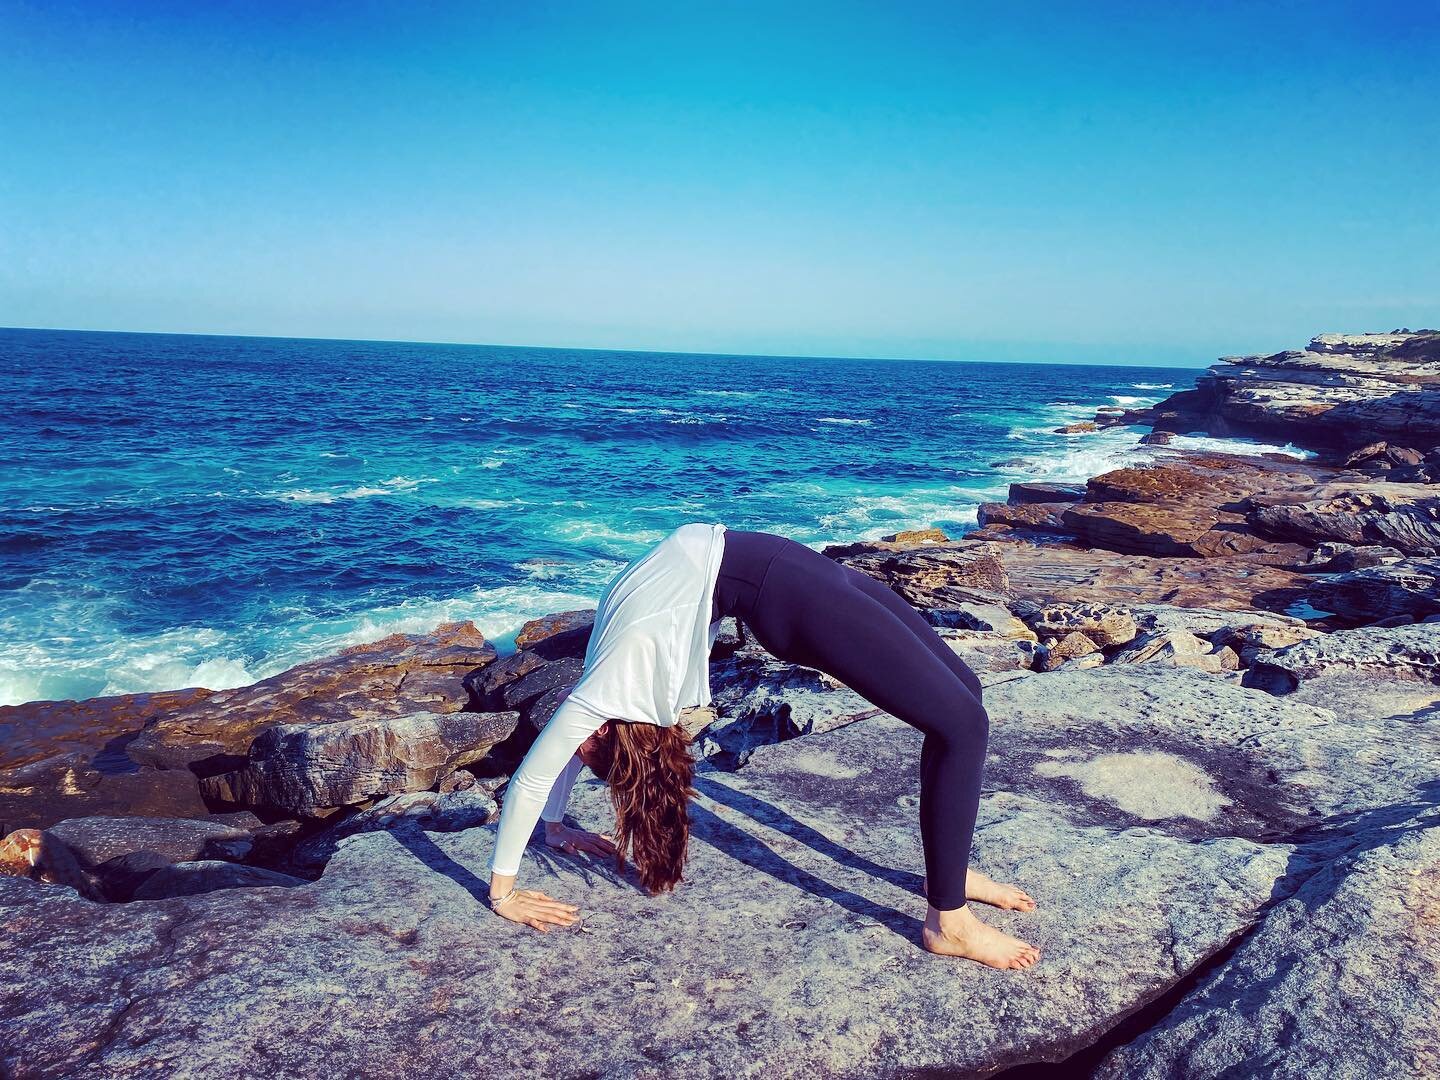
(649, 770)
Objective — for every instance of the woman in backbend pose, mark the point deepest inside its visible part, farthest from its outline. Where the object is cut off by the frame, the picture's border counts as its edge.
(648, 659)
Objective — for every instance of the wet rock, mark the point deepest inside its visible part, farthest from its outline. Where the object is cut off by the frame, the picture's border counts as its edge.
(98, 839)
(41, 793)
(194, 878)
(1025, 492)
(1411, 587)
(305, 768)
(1083, 427)
(1339, 980)
(42, 729)
(396, 676)
(1406, 652)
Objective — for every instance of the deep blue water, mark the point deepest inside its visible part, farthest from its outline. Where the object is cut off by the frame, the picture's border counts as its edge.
(180, 511)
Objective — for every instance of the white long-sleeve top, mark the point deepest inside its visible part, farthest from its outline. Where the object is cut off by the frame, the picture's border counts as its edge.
(648, 659)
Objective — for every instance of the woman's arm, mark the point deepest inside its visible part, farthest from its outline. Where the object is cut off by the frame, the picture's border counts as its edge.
(525, 798)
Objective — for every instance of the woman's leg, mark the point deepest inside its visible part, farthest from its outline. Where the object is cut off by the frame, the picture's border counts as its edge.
(808, 612)
(923, 631)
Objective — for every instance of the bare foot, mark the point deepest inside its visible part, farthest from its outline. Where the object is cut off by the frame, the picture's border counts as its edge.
(988, 891)
(960, 933)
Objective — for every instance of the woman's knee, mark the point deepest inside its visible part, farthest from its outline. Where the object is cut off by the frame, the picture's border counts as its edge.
(964, 726)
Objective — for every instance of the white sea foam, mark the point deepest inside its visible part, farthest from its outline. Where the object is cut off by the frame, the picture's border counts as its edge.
(729, 393)
(1236, 445)
(1152, 385)
(1128, 399)
(842, 420)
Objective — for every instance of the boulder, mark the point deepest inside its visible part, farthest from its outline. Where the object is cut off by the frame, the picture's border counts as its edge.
(1410, 587)
(1405, 652)
(41, 793)
(1177, 648)
(1042, 517)
(42, 856)
(98, 839)
(564, 633)
(311, 768)
(1103, 624)
(397, 676)
(1072, 645)
(989, 614)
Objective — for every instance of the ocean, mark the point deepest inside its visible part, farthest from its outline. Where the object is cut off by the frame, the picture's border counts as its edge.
(207, 511)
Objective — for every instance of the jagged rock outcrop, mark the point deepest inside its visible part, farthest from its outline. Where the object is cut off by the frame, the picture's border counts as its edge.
(95, 840)
(1409, 588)
(396, 676)
(1405, 517)
(1329, 396)
(1404, 652)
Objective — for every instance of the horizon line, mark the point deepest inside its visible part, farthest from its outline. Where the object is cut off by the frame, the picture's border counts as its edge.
(596, 349)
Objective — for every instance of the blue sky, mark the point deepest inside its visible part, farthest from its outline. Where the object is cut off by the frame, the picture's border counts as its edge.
(1127, 182)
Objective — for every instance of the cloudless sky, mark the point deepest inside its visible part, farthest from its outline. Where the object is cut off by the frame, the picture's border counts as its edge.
(1147, 182)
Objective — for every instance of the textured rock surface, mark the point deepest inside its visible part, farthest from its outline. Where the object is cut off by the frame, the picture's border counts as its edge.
(1371, 593)
(1381, 386)
(1339, 981)
(1406, 652)
(1401, 516)
(305, 768)
(43, 792)
(206, 876)
(790, 950)
(96, 839)
(396, 676)
(41, 729)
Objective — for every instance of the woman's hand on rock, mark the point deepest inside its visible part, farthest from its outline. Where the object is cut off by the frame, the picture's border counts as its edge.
(575, 840)
(533, 908)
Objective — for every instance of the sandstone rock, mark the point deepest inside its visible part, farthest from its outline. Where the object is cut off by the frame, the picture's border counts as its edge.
(1339, 980)
(98, 839)
(41, 793)
(1177, 648)
(1056, 652)
(1382, 456)
(304, 768)
(1025, 492)
(396, 676)
(1333, 557)
(938, 575)
(42, 729)
(1102, 624)
(194, 878)
(988, 653)
(1411, 587)
(565, 633)
(1402, 516)
(1401, 651)
(917, 536)
(1044, 517)
(1319, 397)
(988, 614)
(1083, 427)
(42, 856)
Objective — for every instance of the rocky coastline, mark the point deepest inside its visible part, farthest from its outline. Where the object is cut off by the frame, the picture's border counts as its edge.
(1214, 685)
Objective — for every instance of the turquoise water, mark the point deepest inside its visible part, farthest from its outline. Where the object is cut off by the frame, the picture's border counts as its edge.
(179, 511)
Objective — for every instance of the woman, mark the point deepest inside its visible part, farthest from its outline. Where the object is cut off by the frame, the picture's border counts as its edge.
(648, 659)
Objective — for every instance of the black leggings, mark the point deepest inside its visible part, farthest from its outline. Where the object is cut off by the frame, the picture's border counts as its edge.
(807, 609)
